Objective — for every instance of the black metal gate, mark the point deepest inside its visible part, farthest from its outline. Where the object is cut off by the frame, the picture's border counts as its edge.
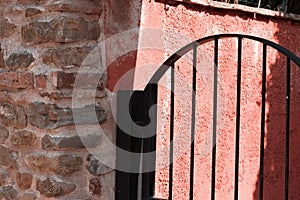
(136, 133)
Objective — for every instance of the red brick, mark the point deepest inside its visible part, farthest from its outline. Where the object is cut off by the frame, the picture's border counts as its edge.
(41, 81)
(63, 80)
(16, 80)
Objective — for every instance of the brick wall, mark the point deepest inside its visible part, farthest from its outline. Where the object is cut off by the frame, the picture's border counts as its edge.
(42, 46)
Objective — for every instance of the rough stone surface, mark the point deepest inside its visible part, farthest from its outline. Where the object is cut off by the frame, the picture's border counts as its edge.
(12, 116)
(3, 178)
(95, 186)
(2, 62)
(16, 80)
(78, 6)
(6, 27)
(8, 158)
(4, 133)
(64, 165)
(29, 196)
(19, 60)
(23, 138)
(71, 142)
(24, 180)
(8, 193)
(65, 57)
(97, 168)
(52, 188)
(29, 12)
(60, 29)
(69, 93)
(51, 116)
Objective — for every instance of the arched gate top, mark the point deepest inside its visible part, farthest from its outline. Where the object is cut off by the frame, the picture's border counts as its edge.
(177, 55)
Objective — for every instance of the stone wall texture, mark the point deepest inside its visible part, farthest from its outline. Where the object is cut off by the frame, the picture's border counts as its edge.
(43, 44)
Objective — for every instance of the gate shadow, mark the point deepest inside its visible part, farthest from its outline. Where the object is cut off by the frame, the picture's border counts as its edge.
(274, 162)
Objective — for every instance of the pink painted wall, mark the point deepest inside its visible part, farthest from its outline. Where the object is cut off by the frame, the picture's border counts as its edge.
(166, 29)
(184, 23)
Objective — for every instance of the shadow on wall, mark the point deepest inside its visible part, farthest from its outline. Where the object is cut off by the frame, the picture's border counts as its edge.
(274, 165)
(122, 20)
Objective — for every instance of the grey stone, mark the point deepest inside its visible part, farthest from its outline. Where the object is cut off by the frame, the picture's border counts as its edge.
(4, 133)
(8, 193)
(8, 158)
(29, 196)
(70, 142)
(12, 116)
(19, 60)
(29, 12)
(51, 116)
(97, 168)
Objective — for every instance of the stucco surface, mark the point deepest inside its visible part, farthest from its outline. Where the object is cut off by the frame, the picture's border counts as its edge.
(184, 23)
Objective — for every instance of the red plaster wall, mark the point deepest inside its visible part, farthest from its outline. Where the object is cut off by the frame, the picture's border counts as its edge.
(184, 23)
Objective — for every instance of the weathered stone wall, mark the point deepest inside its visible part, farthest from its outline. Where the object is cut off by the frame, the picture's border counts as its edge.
(43, 44)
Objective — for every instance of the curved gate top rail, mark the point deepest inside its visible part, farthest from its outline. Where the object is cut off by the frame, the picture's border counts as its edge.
(127, 183)
(177, 55)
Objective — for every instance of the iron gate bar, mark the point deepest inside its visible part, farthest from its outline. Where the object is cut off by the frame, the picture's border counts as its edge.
(263, 114)
(215, 108)
(172, 60)
(149, 143)
(287, 125)
(177, 55)
(126, 182)
(193, 122)
(238, 114)
(140, 117)
(171, 133)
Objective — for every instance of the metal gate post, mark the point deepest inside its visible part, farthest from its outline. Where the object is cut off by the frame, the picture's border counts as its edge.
(133, 109)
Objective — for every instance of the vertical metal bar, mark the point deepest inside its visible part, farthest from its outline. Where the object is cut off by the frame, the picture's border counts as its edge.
(215, 105)
(149, 143)
(238, 114)
(263, 112)
(287, 127)
(171, 134)
(193, 122)
(126, 182)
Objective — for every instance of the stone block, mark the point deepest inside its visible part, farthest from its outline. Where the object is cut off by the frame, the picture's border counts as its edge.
(95, 186)
(6, 27)
(67, 29)
(4, 133)
(63, 80)
(66, 56)
(8, 193)
(70, 142)
(51, 116)
(63, 165)
(16, 80)
(23, 139)
(12, 115)
(19, 60)
(8, 158)
(52, 188)
(24, 180)
(77, 6)
(97, 168)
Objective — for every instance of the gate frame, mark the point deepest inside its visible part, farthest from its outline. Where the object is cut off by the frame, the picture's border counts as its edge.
(127, 184)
